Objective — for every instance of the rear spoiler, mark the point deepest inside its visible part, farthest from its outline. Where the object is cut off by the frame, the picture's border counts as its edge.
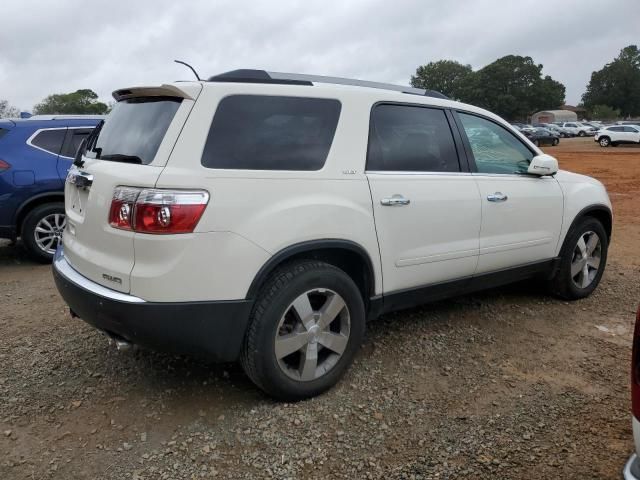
(188, 90)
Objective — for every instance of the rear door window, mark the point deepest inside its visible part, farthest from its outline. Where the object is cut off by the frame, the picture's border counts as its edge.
(411, 139)
(134, 129)
(49, 140)
(255, 132)
(73, 140)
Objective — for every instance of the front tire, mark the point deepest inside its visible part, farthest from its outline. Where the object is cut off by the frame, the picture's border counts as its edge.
(307, 324)
(604, 141)
(582, 260)
(42, 230)
(555, 142)
(581, 133)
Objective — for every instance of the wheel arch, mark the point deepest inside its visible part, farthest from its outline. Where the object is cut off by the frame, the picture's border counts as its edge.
(344, 254)
(33, 202)
(599, 212)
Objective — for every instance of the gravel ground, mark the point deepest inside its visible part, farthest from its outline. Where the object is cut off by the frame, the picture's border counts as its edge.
(509, 383)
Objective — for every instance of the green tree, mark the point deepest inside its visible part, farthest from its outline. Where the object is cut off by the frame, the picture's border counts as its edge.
(604, 112)
(511, 86)
(617, 84)
(445, 76)
(79, 102)
(514, 88)
(8, 111)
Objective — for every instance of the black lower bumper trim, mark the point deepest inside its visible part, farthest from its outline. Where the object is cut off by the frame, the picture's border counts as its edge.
(211, 329)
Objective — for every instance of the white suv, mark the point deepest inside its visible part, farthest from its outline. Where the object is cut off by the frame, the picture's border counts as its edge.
(265, 217)
(578, 129)
(618, 134)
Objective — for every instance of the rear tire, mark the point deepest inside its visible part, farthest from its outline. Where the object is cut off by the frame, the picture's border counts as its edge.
(556, 141)
(294, 348)
(583, 258)
(42, 231)
(581, 133)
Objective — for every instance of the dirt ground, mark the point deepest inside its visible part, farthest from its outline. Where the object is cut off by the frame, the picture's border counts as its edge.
(510, 383)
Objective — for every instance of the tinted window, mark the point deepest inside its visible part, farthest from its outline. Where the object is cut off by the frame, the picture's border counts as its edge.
(50, 140)
(135, 128)
(73, 140)
(495, 149)
(3, 132)
(413, 139)
(630, 129)
(253, 132)
(616, 129)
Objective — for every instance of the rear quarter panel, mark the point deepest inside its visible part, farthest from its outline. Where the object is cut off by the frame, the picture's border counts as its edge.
(268, 211)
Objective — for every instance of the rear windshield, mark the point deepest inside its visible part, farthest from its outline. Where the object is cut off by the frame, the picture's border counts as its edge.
(134, 129)
(255, 132)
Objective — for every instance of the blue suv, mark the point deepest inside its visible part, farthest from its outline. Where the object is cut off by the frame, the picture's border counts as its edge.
(35, 155)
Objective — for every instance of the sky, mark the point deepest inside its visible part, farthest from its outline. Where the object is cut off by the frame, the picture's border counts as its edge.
(63, 45)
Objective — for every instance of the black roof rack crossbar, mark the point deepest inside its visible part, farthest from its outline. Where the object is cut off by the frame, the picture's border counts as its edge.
(262, 76)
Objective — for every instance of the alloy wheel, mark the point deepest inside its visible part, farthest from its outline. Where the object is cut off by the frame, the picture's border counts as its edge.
(312, 334)
(48, 232)
(585, 262)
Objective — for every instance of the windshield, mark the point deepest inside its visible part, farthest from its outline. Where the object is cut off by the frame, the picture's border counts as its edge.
(134, 130)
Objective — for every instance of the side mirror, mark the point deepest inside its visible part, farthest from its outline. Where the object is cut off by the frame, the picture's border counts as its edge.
(543, 165)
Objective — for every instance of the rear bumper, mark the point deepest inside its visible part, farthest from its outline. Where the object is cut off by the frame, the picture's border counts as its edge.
(211, 329)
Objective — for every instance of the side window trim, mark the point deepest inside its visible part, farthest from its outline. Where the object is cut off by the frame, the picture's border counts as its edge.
(40, 130)
(463, 165)
(467, 144)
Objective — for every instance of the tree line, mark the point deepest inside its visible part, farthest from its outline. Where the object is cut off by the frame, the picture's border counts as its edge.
(512, 87)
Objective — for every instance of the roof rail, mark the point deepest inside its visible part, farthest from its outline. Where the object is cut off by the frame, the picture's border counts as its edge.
(262, 76)
(65, 117)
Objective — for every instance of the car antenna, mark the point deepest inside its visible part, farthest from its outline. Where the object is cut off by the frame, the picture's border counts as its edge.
(187, 65)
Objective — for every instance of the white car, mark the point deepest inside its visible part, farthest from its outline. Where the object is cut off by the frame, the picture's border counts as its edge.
(578, 129)
(618, 134)
(266, 217)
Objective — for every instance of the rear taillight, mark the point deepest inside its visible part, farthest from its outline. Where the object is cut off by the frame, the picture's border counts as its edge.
(635, 369)
(4, 166)
(157, 211)
(122, 207)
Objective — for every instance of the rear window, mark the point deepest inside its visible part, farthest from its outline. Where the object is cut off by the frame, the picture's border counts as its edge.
(134, 129)
(49, 140)
(253, 132)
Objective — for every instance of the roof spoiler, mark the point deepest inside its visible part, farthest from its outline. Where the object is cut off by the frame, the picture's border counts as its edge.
(188, 91)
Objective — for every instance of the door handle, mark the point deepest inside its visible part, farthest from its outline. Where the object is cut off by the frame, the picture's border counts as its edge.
(497, 197)
(395, 201)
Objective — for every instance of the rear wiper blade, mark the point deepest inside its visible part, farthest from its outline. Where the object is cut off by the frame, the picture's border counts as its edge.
(118, 157)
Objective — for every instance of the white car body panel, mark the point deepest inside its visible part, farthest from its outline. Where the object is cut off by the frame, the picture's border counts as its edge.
(432, 239)
(533, 213)
(579, 193)
(447, 232)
